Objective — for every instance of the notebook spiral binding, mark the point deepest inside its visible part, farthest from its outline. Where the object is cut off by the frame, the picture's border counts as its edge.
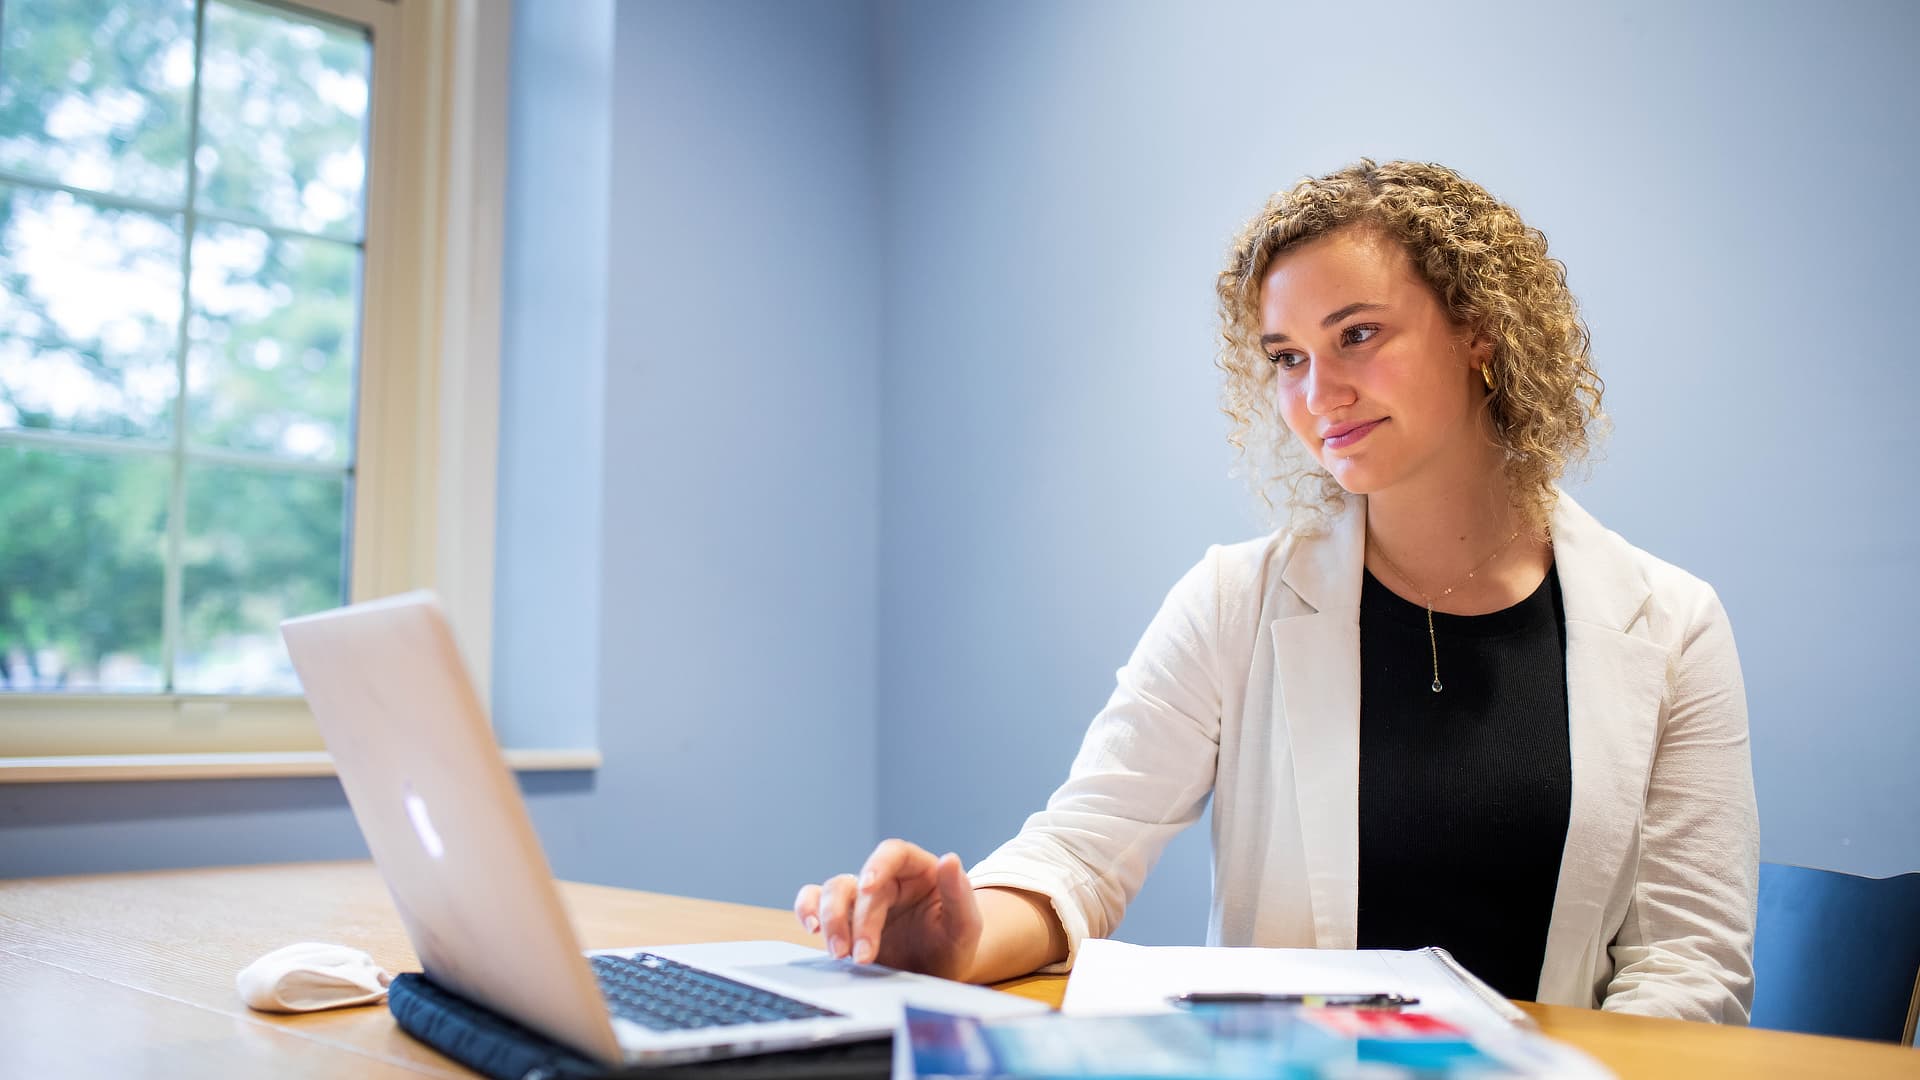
(1471, 983)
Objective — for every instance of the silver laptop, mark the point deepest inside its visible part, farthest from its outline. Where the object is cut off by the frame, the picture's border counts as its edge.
(444, 820)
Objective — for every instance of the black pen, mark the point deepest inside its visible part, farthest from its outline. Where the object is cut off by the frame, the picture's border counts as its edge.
(1350, 1001)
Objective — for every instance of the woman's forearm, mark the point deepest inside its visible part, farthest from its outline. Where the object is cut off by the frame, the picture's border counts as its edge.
(1019, 933)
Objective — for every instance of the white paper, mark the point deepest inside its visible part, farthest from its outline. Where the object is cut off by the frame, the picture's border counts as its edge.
(1113, 977)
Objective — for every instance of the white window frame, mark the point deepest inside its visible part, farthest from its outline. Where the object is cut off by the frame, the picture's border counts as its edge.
(428, 417)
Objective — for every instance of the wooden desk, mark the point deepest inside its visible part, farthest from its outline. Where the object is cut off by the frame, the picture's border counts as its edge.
(132, 975)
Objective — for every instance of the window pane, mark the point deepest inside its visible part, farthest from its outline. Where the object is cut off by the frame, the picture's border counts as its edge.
(94, 93)
(89, 315)
(261, 546)
(80, 573)
(283, 106)
(271, 367)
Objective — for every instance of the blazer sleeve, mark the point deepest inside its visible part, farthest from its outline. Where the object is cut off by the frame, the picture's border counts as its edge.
(1685, 949)
(1143, 773)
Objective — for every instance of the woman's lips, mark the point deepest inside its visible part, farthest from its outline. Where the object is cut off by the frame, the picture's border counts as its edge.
(1342, 437)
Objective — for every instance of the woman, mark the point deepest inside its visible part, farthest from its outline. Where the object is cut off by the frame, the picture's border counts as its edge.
(1444, 705)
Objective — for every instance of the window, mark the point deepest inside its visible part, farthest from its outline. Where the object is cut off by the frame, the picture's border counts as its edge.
(222, 241)
(180, 251)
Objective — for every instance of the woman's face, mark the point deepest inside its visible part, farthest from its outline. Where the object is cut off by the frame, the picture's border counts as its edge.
(1369, 372)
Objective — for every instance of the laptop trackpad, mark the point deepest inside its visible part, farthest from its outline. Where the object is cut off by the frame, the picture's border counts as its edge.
(839, 980)
(819, 974)
(808, 973)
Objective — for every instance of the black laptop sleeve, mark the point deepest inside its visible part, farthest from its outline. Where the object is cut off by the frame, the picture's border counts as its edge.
(496, 1047)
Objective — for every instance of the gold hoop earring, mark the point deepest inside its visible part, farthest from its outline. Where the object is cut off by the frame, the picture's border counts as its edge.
(1486, 373)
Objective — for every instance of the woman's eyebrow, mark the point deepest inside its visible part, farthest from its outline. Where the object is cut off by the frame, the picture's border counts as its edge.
(1350, 309)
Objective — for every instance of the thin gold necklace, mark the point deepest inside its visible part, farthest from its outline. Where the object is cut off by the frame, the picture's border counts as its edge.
(1432, 642)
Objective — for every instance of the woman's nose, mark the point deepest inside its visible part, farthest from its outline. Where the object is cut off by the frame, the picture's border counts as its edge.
(1326, 390)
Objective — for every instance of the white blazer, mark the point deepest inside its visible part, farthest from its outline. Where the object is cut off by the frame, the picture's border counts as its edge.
(1246, 686)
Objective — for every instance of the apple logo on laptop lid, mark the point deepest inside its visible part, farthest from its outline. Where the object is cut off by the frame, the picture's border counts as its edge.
(423, 824)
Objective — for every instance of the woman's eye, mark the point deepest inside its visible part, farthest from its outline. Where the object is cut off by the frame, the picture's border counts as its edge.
(1354, 335)
(1286, 361)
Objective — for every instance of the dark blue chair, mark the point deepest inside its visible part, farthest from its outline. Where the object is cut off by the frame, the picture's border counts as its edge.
(1835, 954)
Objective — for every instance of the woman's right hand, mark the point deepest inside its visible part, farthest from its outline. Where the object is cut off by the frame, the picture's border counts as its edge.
(908, 909)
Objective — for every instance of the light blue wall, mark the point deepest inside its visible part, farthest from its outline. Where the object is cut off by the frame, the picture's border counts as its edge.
(92, 828)
(1728, 184)
(738, 519)
(548, 545)
(689, 476)
(1053, 451)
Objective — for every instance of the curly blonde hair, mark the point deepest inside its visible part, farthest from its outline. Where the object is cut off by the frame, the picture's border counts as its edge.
(1490, 271)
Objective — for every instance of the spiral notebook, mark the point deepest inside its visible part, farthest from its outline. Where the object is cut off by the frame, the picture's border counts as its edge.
(1114, 978)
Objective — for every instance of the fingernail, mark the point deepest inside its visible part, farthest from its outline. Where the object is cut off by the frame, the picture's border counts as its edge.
(833, 947)
(813, 925)
(866, 879)
(863, 953)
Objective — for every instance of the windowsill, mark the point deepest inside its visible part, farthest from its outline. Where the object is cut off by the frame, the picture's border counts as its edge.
(223, 766)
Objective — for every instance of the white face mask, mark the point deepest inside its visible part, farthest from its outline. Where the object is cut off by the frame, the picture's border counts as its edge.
(310, 976)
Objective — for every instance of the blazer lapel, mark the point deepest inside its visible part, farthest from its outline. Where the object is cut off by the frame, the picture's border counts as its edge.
(1615, 685)
(1317, 665)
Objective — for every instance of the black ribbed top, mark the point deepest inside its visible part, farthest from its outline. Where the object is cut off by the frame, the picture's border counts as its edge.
(1464, 794)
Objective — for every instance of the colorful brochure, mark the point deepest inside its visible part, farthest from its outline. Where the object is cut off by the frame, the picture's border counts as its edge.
(1235, 1042)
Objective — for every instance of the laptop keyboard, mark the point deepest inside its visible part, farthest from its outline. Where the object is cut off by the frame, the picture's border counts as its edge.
(661, 994)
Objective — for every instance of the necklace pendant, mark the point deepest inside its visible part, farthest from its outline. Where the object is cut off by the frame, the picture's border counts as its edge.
(1436, 686)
